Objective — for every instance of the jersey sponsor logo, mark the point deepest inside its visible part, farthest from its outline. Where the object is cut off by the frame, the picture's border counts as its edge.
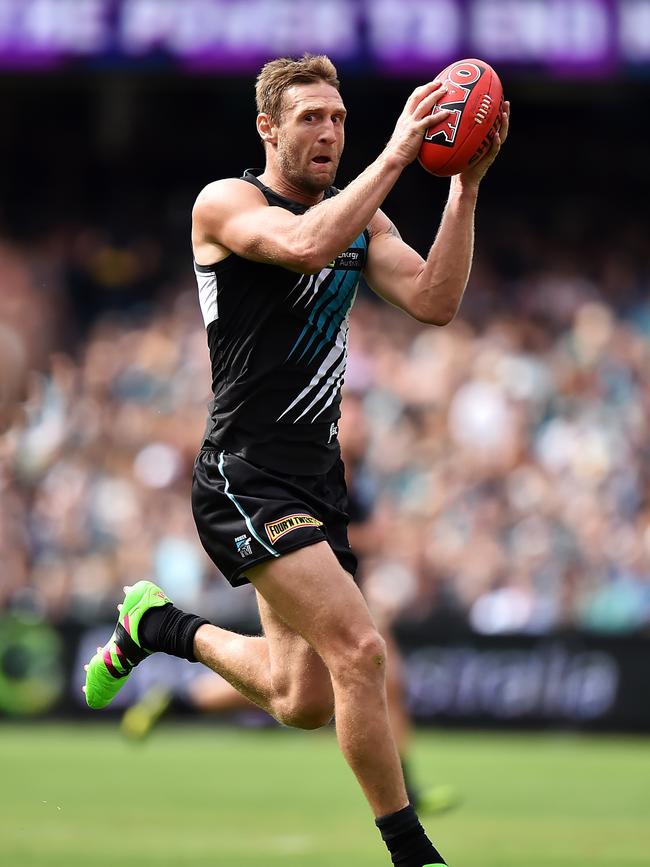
(351, 259)
(243, 544)
(276, 529)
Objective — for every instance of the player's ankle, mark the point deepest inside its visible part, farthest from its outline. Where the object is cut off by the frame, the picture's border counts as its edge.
(406, 840)
(170, 630)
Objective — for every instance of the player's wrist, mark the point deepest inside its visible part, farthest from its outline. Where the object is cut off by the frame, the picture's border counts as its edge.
(465, 187)
(391, 161)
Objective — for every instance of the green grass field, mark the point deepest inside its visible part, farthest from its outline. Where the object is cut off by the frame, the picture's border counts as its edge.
(202, 796)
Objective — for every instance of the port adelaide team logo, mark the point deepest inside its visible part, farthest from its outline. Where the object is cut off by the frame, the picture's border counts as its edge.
(243, 545)
(276, 529)
(462, 80)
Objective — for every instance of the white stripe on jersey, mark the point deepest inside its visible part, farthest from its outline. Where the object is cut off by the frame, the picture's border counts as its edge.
(339, 370)
(336, 352)
(333, 382)
(316, 286)
(207, 282)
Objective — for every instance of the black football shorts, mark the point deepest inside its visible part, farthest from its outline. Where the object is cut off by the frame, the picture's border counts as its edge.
(246, 515)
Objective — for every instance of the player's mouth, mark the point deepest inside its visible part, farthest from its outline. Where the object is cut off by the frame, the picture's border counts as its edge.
(322, 160)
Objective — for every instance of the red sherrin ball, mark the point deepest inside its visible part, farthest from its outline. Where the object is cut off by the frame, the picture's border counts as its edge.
(475, 99)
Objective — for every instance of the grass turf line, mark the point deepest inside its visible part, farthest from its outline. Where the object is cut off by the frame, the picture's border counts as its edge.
(198, 796)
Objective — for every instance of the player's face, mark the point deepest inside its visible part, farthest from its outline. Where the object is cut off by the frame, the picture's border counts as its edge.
(311, 135)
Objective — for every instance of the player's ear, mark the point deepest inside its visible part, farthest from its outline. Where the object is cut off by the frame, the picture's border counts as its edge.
(267, 129)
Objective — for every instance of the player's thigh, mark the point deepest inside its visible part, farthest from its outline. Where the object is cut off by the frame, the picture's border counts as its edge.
(315, 597)
(297, 671)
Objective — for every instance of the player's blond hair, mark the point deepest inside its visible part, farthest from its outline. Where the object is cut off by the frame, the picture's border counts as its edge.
(277, 75)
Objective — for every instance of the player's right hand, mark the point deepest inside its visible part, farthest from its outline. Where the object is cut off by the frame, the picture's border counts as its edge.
(415, 120)
(476, 173)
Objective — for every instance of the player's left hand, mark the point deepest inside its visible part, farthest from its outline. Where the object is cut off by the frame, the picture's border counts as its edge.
(476, 173)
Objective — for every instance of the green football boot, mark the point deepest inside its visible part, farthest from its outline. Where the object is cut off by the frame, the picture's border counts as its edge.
(110, 667)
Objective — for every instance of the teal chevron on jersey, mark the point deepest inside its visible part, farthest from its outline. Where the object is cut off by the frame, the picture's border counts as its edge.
(329, 293)
(333, 305)
(335, 313)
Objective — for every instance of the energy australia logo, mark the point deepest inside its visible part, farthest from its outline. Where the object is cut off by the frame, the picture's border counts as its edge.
(243, 544)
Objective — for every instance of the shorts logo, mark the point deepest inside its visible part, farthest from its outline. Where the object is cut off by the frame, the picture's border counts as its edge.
(243, 544)
(276, 529)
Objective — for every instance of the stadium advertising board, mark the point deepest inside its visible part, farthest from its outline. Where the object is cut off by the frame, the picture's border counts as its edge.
(378, 36)
(573, 679)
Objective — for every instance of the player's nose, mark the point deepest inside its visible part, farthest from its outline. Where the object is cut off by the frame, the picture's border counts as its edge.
(327, 132)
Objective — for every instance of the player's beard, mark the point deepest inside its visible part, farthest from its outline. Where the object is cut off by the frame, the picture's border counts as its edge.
(289, 158)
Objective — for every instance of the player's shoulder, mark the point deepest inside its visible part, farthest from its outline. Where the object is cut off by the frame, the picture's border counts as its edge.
(227, 194)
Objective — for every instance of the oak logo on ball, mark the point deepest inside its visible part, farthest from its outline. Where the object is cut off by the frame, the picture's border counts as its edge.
(445, 133)
(460, 83)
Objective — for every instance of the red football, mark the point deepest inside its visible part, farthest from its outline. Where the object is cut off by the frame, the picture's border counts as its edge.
(475, 99)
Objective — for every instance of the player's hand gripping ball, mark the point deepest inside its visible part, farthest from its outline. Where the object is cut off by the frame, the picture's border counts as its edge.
(475, 100)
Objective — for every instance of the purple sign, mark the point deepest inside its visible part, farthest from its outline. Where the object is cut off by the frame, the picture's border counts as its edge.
(385, 36)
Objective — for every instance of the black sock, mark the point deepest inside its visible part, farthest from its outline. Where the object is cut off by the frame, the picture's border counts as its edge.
(170, 630)
(412, 791)
(407, 843)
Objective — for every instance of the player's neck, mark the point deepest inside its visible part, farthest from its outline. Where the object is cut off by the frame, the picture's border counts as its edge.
(274, 179)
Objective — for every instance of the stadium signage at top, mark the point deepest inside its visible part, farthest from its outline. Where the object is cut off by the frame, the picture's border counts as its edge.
(391, 36)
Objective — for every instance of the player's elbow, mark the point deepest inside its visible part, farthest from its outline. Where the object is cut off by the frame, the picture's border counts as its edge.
(310, 252)
(305, 258)
(438, 304)
(434, 315)
(312, 264)
(439, 319)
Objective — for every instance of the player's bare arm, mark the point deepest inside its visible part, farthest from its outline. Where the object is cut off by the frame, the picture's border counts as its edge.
(230, 216)
(431, 289)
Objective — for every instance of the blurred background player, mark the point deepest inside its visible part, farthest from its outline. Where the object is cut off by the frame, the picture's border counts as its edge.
(210, 693)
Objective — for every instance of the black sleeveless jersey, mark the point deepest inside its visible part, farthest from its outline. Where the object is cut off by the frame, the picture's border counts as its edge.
(278, 347)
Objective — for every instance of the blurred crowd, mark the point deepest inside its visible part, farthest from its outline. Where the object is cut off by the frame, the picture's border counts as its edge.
(499, 468)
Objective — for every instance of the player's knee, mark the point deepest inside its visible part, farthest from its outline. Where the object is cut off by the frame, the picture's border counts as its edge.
(310, 717)
(370, 651)
(305, 712)
(363, 656)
